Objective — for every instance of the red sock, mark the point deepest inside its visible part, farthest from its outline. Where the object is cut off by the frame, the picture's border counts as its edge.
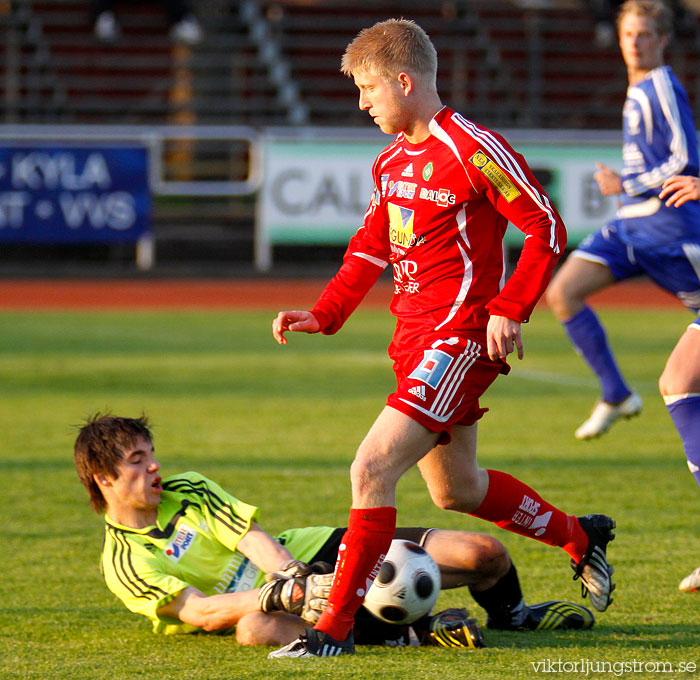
(361, 553)
(516, 507)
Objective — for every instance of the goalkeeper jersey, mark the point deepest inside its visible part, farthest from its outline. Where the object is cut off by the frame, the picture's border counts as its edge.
(193, 543)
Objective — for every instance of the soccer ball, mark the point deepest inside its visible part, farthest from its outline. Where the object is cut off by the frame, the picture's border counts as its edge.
(407, 586)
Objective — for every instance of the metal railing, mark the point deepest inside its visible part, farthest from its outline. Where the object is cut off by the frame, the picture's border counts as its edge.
(232, 166)
(156, 139)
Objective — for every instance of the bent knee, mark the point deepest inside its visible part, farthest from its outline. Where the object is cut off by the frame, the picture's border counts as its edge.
(671, 382)
(250, 630)
(555, 296)
(371, 472)
(457, 502)
(258, 628)
(490, 557)
(466, 496)
(561, 299)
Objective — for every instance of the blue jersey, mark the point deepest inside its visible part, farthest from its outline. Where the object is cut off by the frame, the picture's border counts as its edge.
(659, 141)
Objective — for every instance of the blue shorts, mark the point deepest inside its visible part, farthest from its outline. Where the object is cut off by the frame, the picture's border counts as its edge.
(675, 267)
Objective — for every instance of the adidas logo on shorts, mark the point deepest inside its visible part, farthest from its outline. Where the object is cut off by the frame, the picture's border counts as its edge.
(418, 391)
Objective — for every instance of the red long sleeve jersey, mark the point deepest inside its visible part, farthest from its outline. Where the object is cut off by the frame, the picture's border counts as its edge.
(438, 215)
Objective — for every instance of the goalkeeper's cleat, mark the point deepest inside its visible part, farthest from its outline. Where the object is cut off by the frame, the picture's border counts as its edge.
(554, 615)
(604, 415)
(690, 583)
(593, 569)
(453, 628)
(314, 643)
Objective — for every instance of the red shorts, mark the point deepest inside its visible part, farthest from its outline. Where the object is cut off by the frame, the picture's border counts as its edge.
(439, 381)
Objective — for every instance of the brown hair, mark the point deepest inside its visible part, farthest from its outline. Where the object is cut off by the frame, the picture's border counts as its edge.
(99, 449)
(390, 47)
(658, 11)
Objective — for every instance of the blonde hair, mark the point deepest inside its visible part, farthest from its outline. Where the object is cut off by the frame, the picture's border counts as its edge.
(389, 48)
(654, 9)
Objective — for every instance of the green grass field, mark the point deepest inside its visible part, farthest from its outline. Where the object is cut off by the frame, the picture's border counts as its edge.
(278, 427)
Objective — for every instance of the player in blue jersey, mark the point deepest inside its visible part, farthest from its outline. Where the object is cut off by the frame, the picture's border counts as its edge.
(649, 236)
(680, 381)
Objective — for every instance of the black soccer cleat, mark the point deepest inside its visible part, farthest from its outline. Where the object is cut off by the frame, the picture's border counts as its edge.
(553, 615)
(314, 643)
(452, 628)
(593, 569)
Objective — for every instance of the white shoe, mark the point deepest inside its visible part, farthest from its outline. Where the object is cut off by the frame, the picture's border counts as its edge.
(314, 643)
(107, 27)
(690, 583)
(604, 415)
(187, 31)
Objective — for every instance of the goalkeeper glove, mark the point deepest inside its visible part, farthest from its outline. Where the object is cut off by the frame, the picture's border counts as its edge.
(305, 596)
(298, 568)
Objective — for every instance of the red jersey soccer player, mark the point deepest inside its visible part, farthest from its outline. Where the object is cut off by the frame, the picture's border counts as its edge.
(445, 190)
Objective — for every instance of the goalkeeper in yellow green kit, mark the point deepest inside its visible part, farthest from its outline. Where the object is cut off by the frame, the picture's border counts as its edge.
(191, 557)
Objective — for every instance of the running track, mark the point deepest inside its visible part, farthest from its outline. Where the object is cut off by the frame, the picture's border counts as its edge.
(188, 294)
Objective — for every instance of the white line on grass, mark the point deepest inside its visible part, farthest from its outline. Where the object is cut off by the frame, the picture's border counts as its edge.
(572, 380)
(556, 378)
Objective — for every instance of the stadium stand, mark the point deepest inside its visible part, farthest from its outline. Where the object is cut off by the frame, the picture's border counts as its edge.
(142, 77)
(275, 62)
(507, 64)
